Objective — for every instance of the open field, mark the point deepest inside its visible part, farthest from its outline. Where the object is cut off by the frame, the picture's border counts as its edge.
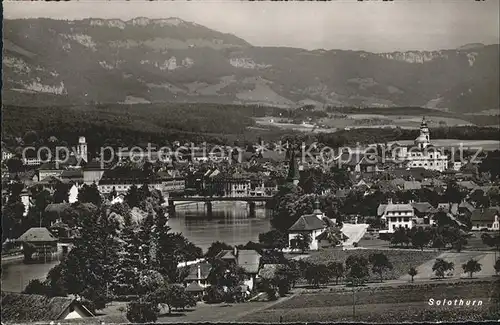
(486, 259)
(408, 303)
(401, 260)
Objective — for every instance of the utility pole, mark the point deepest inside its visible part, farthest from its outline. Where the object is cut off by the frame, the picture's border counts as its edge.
(353, 305)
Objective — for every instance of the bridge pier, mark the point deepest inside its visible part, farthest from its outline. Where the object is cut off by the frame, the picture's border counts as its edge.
(209, 208)
(252, 205)
(171, 207)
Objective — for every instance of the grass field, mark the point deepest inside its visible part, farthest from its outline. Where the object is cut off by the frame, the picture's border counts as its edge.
(401, 260)
(486, 259)
(387, 304)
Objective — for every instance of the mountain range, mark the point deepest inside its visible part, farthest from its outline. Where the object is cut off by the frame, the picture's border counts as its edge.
(61, 62)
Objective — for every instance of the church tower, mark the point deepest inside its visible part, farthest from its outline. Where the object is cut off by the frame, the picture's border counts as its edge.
(423, 139)
(82, 149)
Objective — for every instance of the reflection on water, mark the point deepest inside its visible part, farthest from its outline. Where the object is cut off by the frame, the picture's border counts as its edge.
(16, 275)
(229, 223)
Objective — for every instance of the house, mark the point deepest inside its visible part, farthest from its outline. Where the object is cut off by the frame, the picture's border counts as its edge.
(465, 208)
(49, 169)
(25, 308)
(485, 218)
(309, 224)
(398, 216)
(73, 175)
(248, 259)
(40, 240)
(198, 273)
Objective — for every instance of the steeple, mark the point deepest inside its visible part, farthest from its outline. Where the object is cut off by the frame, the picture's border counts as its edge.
(423, 139)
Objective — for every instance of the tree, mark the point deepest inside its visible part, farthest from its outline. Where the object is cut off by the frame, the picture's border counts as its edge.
(337, 270)
(441, 266)
(61, 193)
(173, 296)
(225, 274)
(129, 267)
(274, 239)
(37, 287)
(216, 248)
(94, 256)
(357, 269)
(380, 263)
(132, 197)
(497, 266)
(400, 236)
(90, 194)
(283, 279)
(142, 311)
(412, 272)
(302, 242)
(420, 238)
(317, 274)
(491, 241)
(472, 266)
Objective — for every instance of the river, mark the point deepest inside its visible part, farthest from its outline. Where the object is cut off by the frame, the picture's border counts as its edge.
(229, 223)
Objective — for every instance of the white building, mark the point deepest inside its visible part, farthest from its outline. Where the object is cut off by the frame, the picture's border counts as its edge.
(82, 149)
(423, 154)
(309, 224)
(398, 216)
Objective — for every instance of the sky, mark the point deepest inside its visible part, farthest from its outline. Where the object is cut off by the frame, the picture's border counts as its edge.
(342, 24)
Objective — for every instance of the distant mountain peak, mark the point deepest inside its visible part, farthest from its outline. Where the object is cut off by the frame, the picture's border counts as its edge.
(471, 46)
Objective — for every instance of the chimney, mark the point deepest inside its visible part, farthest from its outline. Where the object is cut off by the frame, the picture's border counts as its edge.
(199, 271)
(389, 201)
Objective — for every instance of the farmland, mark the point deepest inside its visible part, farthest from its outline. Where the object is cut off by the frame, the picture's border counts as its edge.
(385, 304)
(400, 259)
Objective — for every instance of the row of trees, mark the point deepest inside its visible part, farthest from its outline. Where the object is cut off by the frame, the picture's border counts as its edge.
(437, 237)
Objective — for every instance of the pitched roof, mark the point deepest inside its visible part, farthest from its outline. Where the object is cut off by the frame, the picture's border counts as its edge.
(51, 165)
(307, 222)
(37, 234)
(466, 205)
(468, 185)
(98, 320)
(18, 307)
(398, 207)
(194, 287)
(72, 174)
(484, 214)
(226, 254)
(412, 185)
(381, 209)
(193, 271)
(268, 271)
(422, 207)
(249, 260)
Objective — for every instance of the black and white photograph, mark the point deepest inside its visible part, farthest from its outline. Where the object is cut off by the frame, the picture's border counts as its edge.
(250, 162)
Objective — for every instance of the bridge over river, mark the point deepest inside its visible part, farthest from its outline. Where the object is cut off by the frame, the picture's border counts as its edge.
(209, 200)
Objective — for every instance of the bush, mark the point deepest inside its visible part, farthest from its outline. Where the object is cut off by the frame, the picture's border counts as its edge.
(142, 312)
(214, 295)
(37, 287)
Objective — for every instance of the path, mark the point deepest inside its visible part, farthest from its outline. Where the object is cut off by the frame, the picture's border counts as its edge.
(355, 232)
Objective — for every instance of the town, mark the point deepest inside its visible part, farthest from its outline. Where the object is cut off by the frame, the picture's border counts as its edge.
(389, 217)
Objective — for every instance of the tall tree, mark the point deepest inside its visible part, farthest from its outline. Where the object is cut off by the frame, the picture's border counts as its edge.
(357, 269)
(61, 193)
(90, 194)
(132, 197)
(441, 266)
(380, 263)
(472, 266)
